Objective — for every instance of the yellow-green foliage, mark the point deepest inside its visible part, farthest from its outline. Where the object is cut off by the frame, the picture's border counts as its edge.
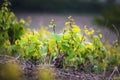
(31, 44)
(83, 48)
(10, 28)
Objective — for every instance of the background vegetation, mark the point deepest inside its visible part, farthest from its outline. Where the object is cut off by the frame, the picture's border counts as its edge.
(110, 18)
(58, 6)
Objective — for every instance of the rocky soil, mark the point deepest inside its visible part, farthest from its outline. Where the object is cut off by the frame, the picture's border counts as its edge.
(12, 69)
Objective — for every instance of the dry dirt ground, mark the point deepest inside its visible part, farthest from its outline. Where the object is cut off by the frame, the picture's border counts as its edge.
(12, 69)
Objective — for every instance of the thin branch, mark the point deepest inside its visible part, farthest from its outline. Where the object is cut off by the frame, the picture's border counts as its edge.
(115, 70)
(118, 34)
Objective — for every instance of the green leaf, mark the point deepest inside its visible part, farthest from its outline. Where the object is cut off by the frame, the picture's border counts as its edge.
(57, 37)
(44, 51)
(71, 54)
(82, 47)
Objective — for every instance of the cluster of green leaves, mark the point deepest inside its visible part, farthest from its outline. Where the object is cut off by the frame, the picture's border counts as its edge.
(82, 48)
(10, 28)
(31, 45)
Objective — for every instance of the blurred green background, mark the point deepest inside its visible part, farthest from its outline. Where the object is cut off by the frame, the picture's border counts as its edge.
(93, 6)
